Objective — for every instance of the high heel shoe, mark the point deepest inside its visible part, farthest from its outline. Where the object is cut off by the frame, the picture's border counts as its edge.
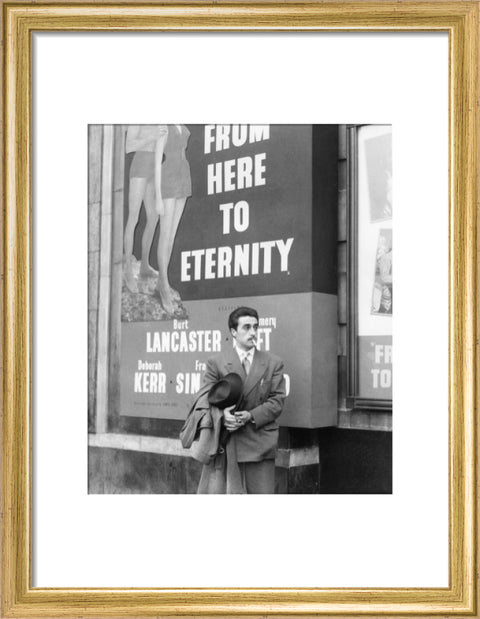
(130, 282)
(166, 301)
(146, 272)
(175, 295)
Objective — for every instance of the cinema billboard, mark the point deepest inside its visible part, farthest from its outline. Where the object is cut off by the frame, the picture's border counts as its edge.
(248, 216)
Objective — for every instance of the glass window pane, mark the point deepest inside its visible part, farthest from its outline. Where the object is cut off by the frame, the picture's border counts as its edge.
(374, 263)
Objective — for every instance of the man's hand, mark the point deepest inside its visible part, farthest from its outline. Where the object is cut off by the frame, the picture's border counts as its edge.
(230, 421)
(243, 417)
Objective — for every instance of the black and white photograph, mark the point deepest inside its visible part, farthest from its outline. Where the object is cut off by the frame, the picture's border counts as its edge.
(219, 314)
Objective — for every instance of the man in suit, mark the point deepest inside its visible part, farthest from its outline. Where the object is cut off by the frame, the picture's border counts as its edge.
(254, 428)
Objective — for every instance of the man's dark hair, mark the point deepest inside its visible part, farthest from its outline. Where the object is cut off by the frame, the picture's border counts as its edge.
(238, 313)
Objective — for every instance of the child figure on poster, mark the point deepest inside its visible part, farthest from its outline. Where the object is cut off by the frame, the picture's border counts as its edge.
(382, 288)
(160, 178)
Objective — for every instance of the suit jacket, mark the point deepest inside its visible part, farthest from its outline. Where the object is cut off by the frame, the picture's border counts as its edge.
(263, 396)
(201, 433)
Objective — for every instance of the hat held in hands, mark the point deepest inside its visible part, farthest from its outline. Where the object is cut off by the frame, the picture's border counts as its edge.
(227, 391)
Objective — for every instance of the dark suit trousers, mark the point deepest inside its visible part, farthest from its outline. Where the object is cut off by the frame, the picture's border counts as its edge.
(258, 477)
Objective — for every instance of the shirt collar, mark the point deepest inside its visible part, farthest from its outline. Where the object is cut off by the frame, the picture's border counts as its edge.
(245, 354)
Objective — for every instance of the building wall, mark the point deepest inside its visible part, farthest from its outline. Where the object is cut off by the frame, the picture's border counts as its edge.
(95, 135)
(350, 462)
(355, 461)
(342, 268)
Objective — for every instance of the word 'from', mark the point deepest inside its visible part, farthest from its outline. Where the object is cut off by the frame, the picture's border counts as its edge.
(222, 137)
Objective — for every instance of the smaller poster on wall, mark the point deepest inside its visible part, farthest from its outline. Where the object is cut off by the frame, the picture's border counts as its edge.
(375, 366)
(378, 153)
(382, 299)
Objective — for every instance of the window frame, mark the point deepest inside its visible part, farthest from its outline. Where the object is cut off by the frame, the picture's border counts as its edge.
(354, 400)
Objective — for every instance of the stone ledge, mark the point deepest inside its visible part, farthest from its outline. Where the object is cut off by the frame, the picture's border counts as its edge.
(286, 458)
(365, 420)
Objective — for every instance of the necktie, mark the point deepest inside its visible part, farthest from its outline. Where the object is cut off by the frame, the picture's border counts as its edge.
(246, 365)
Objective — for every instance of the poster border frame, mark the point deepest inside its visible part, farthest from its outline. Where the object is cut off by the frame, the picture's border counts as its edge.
(20, 20)
(354, 400)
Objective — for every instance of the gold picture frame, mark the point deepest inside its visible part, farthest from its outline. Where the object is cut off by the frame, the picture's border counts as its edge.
(460, 20)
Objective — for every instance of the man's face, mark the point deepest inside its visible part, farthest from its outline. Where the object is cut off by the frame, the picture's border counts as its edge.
(245, 334)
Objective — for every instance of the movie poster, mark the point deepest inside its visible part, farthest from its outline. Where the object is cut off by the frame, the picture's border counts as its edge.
(374, 263)
(218, 216)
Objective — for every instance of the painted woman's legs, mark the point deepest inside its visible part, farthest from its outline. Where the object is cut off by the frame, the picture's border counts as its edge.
(168, 229)
(135, 198)
(178, 212)
(151, 224)
(177, 215)
(163, 254)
